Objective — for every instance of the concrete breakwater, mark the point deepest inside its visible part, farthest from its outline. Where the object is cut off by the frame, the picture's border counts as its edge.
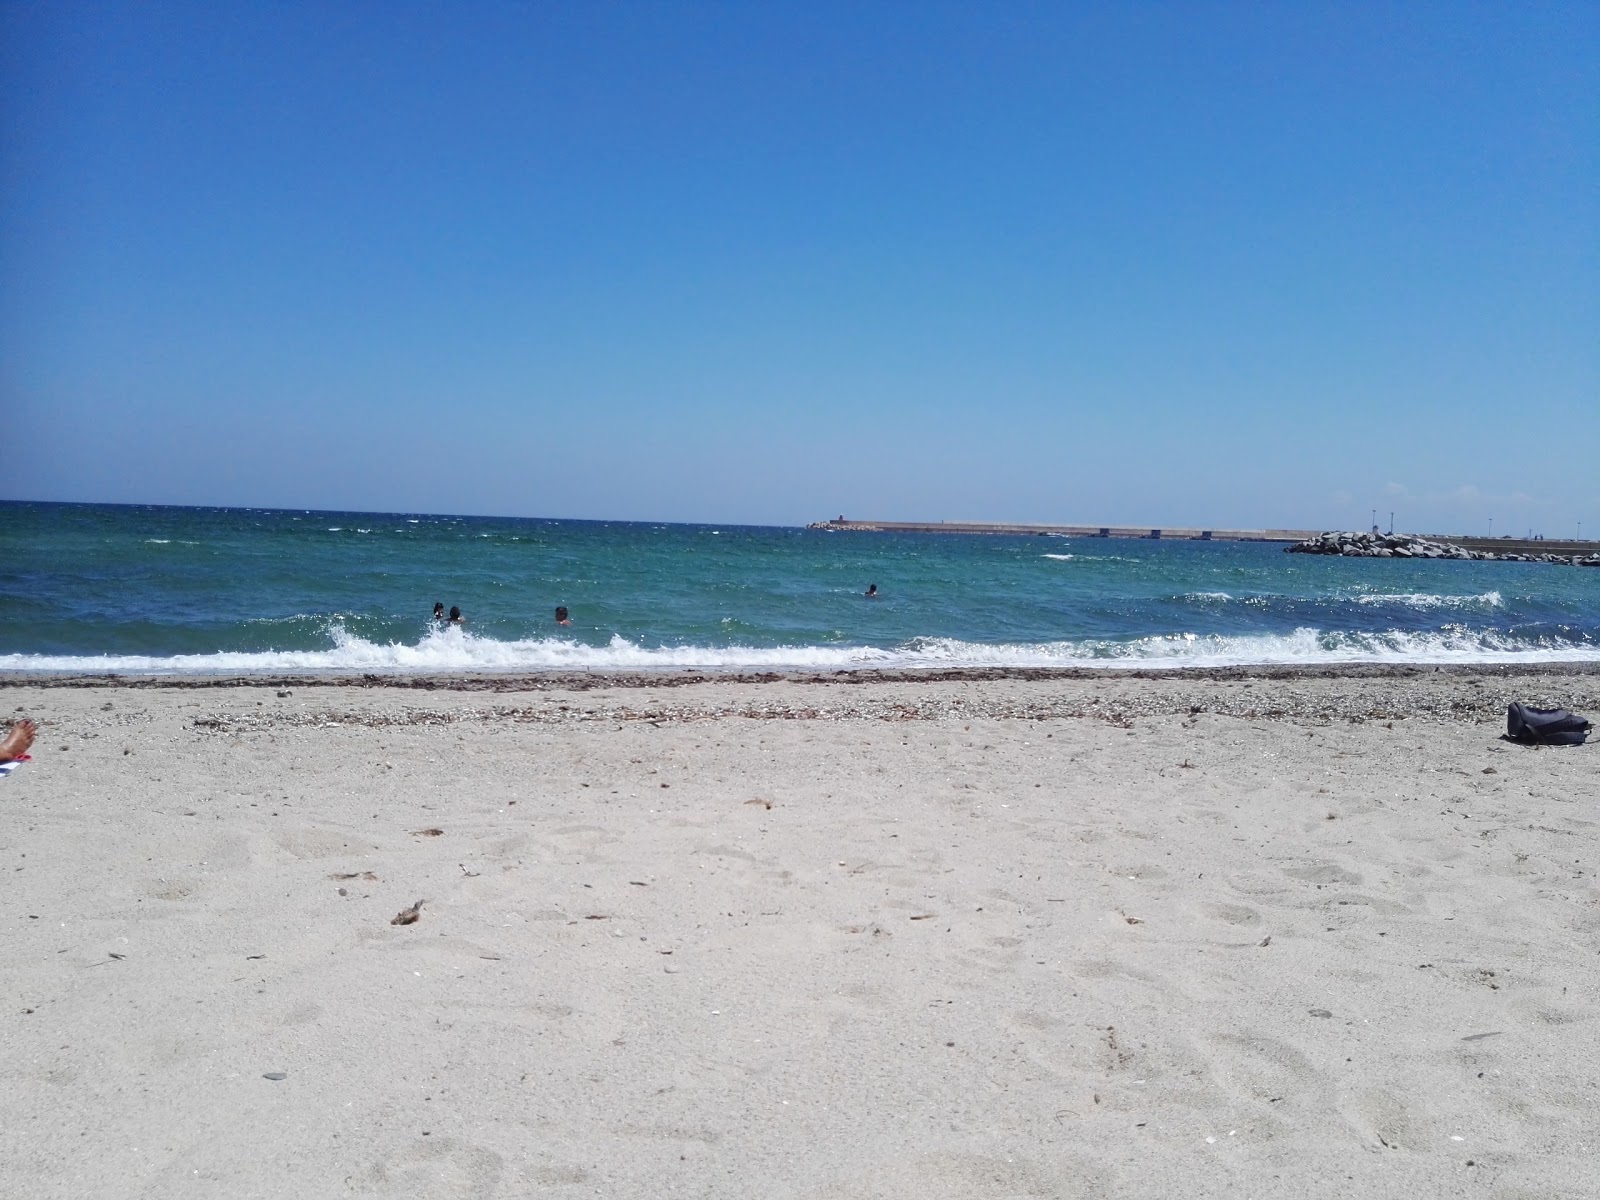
(1307, 541)
(1405, 545)
(1165, 533)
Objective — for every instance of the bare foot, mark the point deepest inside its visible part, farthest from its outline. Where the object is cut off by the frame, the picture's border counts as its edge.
(16, 743)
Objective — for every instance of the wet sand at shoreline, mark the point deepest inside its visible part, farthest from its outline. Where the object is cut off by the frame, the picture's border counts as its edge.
(1040, 934)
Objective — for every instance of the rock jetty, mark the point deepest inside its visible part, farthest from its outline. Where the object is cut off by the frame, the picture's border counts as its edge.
(1405, 545)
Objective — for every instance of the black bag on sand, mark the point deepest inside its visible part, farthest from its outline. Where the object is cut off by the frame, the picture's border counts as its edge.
(1545, 726)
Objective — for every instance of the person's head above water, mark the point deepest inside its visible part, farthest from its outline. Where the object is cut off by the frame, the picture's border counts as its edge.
(455, 613)
(561, 615)
(872, 590)
(438, 612)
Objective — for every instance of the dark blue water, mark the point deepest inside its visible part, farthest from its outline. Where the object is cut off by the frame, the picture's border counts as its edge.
(151, 589)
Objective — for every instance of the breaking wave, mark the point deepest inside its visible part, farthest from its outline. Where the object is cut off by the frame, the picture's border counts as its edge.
(457, 651)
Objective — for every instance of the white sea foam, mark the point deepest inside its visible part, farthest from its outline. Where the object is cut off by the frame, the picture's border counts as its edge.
(455, 650)
(158, 541)
(1418, 600)
(1428, 600)
(1060, 557)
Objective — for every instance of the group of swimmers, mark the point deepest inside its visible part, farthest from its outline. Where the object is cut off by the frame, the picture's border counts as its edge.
(455, 617)
(562, 616)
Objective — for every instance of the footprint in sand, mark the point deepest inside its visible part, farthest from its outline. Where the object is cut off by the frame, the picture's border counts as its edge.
(321, 843)
(455, 952)
(724, 851)
(558, 1176)
(1387, 1119)
(1323, 873)
(435, 1166)
(954, 1176)
(1265, 1069)
(1035, 1020)
(669, 1133)
(1232, 914)
(303, 1014)
(170, 889)
(530, 1015)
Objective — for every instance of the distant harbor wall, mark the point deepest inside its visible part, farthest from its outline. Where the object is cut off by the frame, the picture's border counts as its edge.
(1500, 545)
(1169, 533)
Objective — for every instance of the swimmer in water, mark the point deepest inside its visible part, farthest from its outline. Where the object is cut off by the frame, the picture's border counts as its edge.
(561, 616)
(872, 591)
(455, 616)
(438, 612)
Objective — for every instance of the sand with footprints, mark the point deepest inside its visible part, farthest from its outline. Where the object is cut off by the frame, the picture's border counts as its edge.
(1037, 937)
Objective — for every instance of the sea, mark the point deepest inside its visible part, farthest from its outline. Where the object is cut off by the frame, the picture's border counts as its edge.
(146, 590)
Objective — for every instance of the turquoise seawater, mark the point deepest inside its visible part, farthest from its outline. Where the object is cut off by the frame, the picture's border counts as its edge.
(98, 588)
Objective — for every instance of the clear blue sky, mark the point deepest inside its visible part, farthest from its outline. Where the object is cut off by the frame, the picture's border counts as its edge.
(1220, 264)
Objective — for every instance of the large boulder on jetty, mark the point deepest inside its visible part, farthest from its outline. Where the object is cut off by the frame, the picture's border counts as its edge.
(1406, 545)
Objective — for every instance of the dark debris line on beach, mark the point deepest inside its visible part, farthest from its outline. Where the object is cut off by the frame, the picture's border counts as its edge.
(1473, 701)
(586, 681)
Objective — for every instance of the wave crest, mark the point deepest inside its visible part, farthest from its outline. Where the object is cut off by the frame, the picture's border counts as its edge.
(455, 651)
(1427, 600)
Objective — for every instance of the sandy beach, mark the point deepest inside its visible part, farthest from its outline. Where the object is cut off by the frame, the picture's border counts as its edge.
(982, 936)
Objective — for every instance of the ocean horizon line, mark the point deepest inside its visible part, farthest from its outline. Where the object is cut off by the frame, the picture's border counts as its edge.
(947, 524)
